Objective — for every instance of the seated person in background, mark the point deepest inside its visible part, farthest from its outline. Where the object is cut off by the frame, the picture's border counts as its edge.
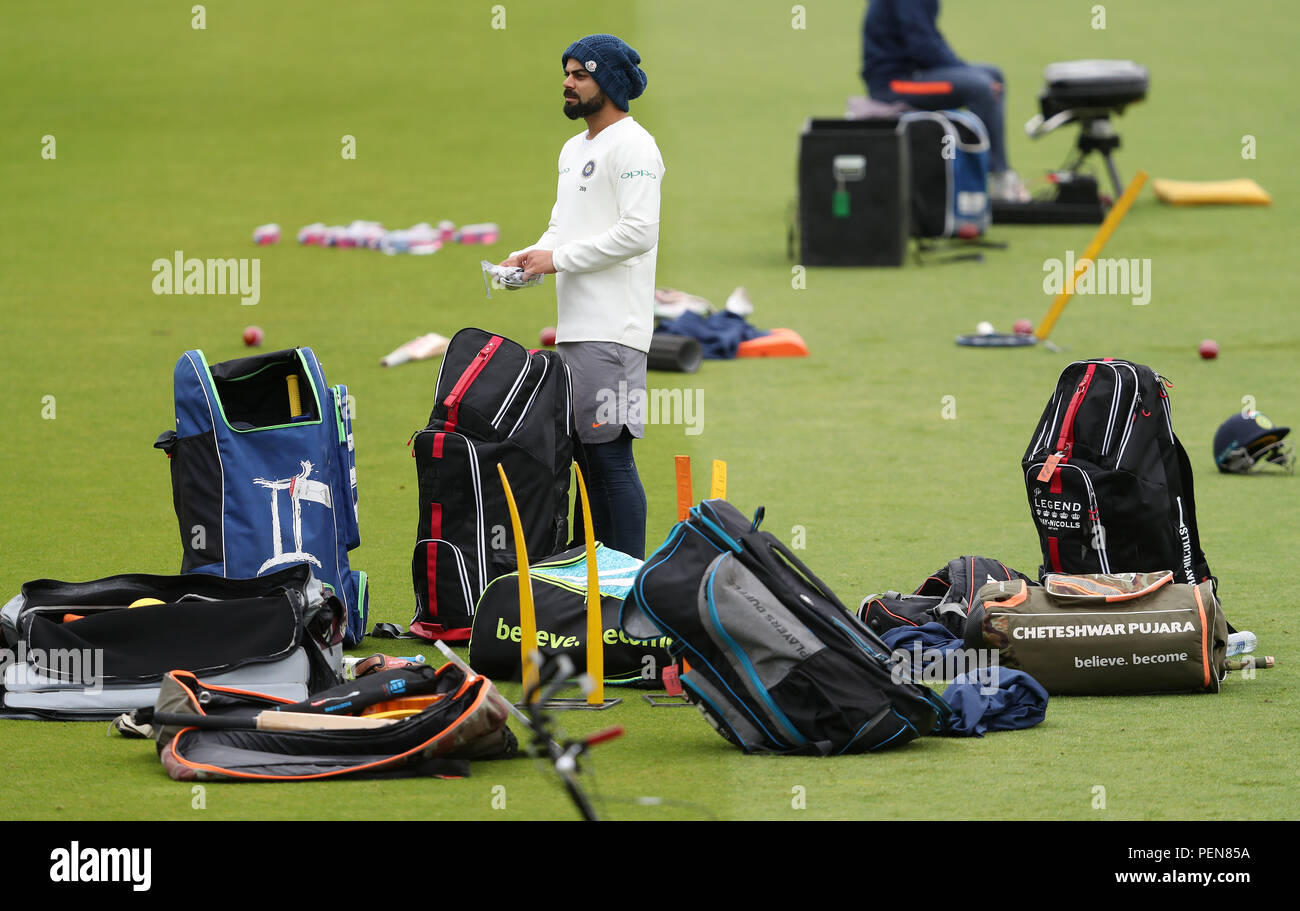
(904, 58)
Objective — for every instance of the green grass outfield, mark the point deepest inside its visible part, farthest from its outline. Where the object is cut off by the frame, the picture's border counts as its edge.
(171, 138)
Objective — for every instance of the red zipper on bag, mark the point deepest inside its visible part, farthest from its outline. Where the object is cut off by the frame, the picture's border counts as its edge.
(452, 402)
(1066, 441)
(1054, 554)
(1064, 446)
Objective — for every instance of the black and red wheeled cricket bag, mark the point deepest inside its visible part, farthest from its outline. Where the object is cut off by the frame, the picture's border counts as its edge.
(1109, 484)
(777, 663)
(461, 718)
(945, 597)
(496, 403)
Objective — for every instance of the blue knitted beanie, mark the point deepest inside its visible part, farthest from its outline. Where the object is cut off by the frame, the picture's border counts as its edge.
(612, 64)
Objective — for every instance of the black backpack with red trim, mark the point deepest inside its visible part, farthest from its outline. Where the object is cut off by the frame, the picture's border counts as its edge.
(496, 403)
(1109, 484)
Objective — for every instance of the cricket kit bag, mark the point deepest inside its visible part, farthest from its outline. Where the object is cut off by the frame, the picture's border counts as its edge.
(777, 663)
(1101, 635)
(559, 586)
(264, 472)
(496, 403)
(1110, 486)
(83, 653)
(949, 153)
(944, 597)
(439, 720)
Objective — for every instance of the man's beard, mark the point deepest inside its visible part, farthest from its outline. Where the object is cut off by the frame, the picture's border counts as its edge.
(578, 108)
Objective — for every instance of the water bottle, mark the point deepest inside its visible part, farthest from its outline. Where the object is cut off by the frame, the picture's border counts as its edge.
(1241, 642)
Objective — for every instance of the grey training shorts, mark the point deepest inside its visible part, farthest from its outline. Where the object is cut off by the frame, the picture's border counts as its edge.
(609, 391)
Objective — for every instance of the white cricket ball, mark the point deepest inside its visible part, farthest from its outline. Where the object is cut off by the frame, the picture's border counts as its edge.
(985, 328)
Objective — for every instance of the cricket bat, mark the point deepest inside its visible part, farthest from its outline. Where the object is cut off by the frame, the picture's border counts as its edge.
(417, 349)
(269, 721)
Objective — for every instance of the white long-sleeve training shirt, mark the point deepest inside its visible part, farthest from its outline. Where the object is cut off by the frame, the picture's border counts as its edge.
(604, 236)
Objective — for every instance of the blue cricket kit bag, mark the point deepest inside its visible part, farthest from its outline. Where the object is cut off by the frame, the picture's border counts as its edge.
(264, 472)
(949, 152)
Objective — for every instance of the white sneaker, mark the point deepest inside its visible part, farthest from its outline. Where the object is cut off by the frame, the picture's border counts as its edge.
(1006, 186)
(738, 302)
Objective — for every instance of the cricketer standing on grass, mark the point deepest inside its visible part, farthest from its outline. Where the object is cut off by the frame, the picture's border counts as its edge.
(601, 244)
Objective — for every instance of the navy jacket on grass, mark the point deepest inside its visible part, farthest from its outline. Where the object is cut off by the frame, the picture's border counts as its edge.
(992, 699)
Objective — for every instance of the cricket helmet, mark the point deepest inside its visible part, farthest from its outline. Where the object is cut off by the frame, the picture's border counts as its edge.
(1249, 440)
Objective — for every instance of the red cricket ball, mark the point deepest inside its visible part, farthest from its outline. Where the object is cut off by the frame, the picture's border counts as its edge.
(547, 337)
(253, 336)
(1209, 349)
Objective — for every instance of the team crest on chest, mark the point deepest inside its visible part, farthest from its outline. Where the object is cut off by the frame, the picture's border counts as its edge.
(589, 168)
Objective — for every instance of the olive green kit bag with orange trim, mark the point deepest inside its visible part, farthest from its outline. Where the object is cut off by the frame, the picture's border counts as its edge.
(1102, 635)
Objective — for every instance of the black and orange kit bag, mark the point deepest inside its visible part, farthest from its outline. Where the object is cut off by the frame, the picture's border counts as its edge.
(206, 732)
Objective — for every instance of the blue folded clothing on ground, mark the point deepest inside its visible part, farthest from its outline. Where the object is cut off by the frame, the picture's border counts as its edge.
(929, 637)
(719, 334)
(983, 699)
(1008, 700)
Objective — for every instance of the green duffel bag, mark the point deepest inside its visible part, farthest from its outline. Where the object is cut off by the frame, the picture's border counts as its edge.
(1105, 634)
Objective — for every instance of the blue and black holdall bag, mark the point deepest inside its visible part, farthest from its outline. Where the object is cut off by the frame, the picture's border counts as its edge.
(264, 472)
(777, 663)
(949, 166)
